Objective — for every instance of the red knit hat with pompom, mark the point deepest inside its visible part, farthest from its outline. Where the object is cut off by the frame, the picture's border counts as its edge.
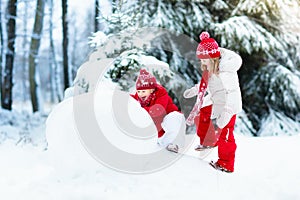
(145, 81)
(208, 47)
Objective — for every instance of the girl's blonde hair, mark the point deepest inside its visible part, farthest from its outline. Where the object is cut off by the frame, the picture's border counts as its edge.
(214, 69)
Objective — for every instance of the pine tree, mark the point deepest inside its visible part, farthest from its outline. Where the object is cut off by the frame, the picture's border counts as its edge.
(252, 28)
(256, 29)
(268, 54)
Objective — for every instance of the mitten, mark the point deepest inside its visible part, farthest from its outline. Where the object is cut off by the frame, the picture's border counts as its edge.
(189, 93)
(224, 118)
(157, 110)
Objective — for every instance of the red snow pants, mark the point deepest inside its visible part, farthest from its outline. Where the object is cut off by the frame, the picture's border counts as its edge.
(223, 138)
(205, 127)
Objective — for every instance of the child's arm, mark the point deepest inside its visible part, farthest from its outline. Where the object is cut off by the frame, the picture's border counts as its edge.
(159, 108)
(193, 91)
(230, 61)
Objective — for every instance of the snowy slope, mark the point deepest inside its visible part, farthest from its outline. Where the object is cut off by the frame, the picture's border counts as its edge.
(29, 174)
(266, 167)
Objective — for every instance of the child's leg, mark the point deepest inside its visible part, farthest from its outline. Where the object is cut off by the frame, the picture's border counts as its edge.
(227, 146)
(174, 127)
(205, 127)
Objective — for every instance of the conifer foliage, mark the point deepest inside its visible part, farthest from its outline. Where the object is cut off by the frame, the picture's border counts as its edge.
(264, 32)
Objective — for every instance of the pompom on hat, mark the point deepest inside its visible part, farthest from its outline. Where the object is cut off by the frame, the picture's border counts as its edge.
(208, 47)
(145, 81)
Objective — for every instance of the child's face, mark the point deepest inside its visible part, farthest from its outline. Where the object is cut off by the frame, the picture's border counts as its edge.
(144, 94)
(206, 62)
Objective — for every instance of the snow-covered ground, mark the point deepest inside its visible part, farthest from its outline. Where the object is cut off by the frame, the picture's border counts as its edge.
(266, 167)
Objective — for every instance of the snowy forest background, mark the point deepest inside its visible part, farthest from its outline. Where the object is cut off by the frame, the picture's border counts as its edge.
(43, 48)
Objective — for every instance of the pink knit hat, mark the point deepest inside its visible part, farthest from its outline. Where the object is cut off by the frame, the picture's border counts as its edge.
(145, 81)
(208, 47)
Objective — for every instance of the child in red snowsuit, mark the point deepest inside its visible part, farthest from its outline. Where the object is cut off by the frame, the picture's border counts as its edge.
(169, 122)
(219, 100)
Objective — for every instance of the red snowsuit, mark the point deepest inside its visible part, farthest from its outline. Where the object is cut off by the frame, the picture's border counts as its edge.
(223, 138)
(159, 107)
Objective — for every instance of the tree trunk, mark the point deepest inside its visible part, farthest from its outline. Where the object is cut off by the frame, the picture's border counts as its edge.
(96, 24)
(65, 43)
(25, 55)
(54, 78)
(1, 45)
(114, 4)
(33, 53)
(6, 95)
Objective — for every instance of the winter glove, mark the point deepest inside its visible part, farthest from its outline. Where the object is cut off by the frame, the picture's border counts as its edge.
(224, 118)
(157, 110)
(189, 93)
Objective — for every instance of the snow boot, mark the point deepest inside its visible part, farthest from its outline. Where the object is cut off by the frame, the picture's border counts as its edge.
(219, 167)
(201, 147)
(173, 148)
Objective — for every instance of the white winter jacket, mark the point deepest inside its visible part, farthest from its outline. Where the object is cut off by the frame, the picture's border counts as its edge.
(223, 89)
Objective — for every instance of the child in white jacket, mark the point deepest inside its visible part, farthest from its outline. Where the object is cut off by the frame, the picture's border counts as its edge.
(219, 100)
